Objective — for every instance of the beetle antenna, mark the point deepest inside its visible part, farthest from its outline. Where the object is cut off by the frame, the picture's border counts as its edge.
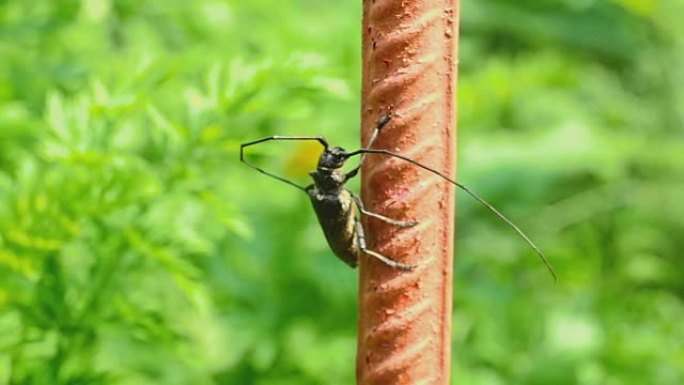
(524, 236)
(319, 139)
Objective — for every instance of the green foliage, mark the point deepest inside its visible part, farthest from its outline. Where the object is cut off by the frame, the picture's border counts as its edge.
(134, 248)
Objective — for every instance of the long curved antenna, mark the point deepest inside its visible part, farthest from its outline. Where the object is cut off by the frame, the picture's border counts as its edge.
(472, 194)
(320, 139)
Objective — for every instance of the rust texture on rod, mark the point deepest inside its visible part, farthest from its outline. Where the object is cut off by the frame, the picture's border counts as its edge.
(409, 66)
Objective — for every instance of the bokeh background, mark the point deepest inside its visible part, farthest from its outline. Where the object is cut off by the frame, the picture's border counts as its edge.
(136, 249)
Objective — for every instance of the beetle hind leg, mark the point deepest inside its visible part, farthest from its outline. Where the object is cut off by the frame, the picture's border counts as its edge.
(361, 237)
(390, 220)
(383, 218)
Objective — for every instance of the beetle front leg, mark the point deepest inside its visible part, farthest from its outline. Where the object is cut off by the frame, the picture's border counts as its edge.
(361, 237)
(382, 122)
(383, 218)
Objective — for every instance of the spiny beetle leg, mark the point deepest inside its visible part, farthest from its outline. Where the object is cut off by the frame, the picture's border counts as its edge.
(387, 261)
(383, 218)
(382, 122)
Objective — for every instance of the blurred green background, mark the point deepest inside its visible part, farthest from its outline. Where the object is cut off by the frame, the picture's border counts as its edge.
(136, 249)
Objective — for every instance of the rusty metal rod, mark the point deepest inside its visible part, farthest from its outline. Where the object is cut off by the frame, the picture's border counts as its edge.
(409, 67)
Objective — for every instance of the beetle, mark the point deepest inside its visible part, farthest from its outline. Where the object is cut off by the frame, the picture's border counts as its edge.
(335, 205)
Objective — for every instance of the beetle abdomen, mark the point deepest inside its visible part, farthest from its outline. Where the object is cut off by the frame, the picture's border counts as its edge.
(335, 214)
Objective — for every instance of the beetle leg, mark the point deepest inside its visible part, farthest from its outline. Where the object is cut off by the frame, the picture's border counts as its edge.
(361, 237)
(382, 122)
(383, 218)
(351, 173)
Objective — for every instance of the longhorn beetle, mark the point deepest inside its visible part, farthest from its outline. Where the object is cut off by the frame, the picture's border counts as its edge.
(334, 203)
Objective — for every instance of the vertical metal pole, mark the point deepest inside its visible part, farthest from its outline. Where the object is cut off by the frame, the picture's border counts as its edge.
(409, 66)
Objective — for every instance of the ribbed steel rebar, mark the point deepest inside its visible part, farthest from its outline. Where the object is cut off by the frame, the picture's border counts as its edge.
(409, 66)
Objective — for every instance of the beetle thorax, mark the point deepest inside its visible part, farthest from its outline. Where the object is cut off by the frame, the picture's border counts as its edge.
(328, 180)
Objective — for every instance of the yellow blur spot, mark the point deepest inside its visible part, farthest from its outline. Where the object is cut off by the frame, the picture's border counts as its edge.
(211, 133)
(304, 159)
(643, 8)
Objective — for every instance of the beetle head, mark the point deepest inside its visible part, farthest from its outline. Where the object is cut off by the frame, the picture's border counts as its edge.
(332, 158)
